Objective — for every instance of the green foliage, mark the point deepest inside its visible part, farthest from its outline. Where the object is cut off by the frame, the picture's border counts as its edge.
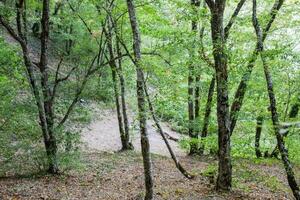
(210, 171)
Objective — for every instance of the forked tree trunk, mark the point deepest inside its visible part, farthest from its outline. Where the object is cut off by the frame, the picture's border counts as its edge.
(141, 101)
(43, 99)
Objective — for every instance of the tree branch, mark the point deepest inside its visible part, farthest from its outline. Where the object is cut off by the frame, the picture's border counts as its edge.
(233, 18)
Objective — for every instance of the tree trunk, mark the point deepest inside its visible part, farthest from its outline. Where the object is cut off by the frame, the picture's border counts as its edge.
(123, 94)
(275, 119)
(207, 112)
(197, 103)
(280, 142)
(51, 146)
(259, 123)
(113, 66)
(141, 101)
(44, 104)
(225, 169)
(191, 93)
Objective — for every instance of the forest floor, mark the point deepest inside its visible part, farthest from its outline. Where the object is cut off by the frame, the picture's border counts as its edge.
(118, 176)
(108, 174)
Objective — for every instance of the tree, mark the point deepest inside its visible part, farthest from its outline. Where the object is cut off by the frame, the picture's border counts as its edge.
(219, 35)
(280, 142)
(141, 100)
(193, 93)
(45, 91)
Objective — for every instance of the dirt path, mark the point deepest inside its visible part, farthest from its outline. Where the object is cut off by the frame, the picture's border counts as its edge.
(103, 135)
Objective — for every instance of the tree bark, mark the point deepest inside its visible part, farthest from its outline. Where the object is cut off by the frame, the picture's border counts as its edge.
(141, 101)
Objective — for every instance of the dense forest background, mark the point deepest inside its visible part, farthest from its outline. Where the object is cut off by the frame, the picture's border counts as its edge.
(218, 82)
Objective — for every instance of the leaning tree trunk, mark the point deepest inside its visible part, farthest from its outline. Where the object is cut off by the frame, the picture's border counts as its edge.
(280, 142)
(141, 101)
(275, 119)
(225, 168)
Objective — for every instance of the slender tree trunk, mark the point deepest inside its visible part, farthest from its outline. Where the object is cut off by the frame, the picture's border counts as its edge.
(275, 119)
(123, 93)
(193, 144)
(207, 112)
(225, 168)
(191, 93)
(113, 66)
(141, 101)
(259, 124)
(51, 146)
(118, 107)
(69, 42)
(197, 103)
